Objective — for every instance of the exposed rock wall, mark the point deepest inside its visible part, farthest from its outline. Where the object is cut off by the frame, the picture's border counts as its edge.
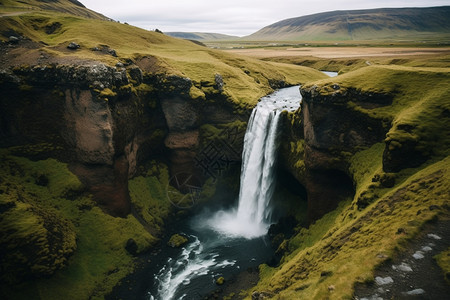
(89, 129)
(106, 121)
(332, 130)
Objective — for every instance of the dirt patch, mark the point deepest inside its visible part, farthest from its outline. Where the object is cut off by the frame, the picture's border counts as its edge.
(149, 64)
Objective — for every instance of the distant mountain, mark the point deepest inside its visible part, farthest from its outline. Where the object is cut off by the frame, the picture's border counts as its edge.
(201, 36)
(371, 24)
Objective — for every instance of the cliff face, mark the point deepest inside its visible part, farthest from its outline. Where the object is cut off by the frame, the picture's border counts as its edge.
(333, 132)
(321, 137)
(117, 128)
(336, 121)
(106, 121)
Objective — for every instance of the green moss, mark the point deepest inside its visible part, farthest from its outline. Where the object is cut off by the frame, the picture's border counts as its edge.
(145, 88)
(220, 281)
(443, 260)
(45, 223)
(149, 196)
(107, 93)
(36, 241)
(177, 240)
(196, 93)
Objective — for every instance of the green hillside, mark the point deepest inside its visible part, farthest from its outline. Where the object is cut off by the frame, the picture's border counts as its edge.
(72, 7)
(202, 36)
(372, 24)
(50, 31)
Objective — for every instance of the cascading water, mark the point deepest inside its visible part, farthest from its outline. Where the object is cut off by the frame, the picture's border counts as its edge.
(252, 216)
(192, 273)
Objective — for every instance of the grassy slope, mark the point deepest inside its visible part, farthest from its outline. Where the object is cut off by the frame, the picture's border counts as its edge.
(246, 79)
(347, 244)
(66, 6)
(100, 259)
(375, 24)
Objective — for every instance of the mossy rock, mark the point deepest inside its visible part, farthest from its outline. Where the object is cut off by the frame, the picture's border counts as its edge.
(220, 280)
(443, 260)
(177, 240)
(36, 242)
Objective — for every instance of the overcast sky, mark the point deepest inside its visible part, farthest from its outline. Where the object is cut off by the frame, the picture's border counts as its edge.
(235, 17)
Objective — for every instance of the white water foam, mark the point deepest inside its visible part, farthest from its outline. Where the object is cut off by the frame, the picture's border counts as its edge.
(193, 262)
(252, 217)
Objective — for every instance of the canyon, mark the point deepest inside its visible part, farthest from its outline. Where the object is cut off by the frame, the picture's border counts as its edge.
(105, 147)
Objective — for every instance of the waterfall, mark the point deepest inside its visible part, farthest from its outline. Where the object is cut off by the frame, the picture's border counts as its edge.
(258, 161)
(252, 216)
(208, 255)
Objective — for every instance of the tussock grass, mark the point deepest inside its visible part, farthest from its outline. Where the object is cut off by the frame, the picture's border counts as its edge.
(348, 244)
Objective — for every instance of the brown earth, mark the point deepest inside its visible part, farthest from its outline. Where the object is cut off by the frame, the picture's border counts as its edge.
(341, 52)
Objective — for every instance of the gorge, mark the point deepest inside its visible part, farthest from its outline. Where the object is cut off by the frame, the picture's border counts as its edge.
(105, 154)
(202, 261)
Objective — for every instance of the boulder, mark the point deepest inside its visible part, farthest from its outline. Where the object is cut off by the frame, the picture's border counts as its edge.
(131, 247)
(177, 240)
(73, 46)
(220, 280)
(14, 39)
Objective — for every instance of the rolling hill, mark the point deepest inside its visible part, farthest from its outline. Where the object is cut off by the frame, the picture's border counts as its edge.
(73, 7)
(372, 24)
(201, 36)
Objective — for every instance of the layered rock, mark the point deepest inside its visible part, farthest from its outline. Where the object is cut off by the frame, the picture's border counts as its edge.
(105, 121)
(323, 135)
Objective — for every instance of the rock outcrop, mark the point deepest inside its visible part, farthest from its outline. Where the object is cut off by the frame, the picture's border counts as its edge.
(321, 137)
(105, 121)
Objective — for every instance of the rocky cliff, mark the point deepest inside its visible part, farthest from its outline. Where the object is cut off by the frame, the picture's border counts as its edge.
(333, 132)
(106, 121)
(131, 130)
(110, 125)
(101, 126)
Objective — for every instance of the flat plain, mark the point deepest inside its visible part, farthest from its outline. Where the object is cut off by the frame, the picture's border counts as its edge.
(340, 52)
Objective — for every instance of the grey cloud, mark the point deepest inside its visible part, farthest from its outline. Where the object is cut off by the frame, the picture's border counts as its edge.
(236, 17)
